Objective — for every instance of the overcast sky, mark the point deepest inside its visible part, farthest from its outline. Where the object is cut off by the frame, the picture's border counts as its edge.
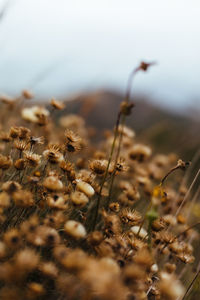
(57, 47)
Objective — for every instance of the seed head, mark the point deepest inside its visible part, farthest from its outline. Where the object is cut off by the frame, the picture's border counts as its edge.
(5, 162)
(75, 229)
(73, 142)
(57, 104)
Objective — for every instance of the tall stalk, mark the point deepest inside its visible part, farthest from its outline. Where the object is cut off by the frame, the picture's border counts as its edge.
(143, 66)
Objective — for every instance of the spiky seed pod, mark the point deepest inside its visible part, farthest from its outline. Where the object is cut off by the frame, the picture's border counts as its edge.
(20, 145)
(68, 168)
(131, 217)
(73, 142)
(114, 206)
(24, 133)
(32, 159)
(20, 164)
(99, 166)
(14, 132)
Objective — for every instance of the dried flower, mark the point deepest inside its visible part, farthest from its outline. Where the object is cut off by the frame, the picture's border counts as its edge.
(52, 183)
(23, 198)
(32, 159)
(79, 199)
(57, 104)
(35, 114)
(86, 188)
(53, 154)
(139, 152)
(5, 162)
(20, 164)
(75, 229)
(73, 142)
(27, 94)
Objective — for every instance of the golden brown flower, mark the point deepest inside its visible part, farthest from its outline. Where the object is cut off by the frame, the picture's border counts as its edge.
(27, 94)
(32, 159)
(20, 145)
(20, 164)
(68, 168)
(11, 187)
(5, 162)
(99, 166)
(140, 152)
(73, 142)
(57, 104)
(131, 217)
(53, 154)
(23, 198)
(14, 132)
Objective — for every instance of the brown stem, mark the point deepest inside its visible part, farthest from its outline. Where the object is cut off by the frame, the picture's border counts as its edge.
(106, 171)
(192, 282)
(188, 192)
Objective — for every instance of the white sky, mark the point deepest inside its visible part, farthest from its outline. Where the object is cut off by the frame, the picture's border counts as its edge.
(57, 47)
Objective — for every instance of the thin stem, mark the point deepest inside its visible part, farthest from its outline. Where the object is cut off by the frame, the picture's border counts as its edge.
(127, 98)
(171, 171)
(116, 159)
(195, 197)
(188, 192)
(178, 235)
(192, 282)
(106, 171)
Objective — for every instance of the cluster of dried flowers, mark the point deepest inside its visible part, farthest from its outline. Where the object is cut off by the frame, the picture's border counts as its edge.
(85, 222)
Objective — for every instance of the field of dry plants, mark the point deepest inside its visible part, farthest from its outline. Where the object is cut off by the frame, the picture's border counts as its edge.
(93, 221)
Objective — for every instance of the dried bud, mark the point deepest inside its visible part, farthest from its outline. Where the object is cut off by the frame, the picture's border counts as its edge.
(27, 94)
(86, 188)
(52, 183)
(79, 199)
(126, 108)
(57, 104)
(75, 229)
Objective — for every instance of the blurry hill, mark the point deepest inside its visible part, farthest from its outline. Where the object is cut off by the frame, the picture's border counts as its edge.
(165, 131)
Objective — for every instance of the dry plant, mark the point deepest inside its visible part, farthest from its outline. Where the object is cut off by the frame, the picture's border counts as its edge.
(110, 221)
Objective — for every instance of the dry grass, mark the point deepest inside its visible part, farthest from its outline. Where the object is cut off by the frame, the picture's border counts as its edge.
(84, 221)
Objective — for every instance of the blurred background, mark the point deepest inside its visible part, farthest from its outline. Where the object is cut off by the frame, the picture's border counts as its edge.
(79, 49)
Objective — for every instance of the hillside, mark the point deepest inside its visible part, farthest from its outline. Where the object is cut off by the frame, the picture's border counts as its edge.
(164, 130)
